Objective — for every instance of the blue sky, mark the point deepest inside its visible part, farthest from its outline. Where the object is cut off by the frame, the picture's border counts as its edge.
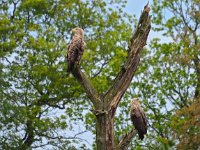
(136, 6)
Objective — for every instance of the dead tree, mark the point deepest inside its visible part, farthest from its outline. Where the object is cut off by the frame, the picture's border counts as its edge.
(106, 105)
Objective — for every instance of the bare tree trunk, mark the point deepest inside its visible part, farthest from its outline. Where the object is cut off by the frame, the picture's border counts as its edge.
(105, 132)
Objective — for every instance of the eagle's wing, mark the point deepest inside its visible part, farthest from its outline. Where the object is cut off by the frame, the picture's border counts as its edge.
(75, 52)
(81, 46)
(144, 118)
(72, 53)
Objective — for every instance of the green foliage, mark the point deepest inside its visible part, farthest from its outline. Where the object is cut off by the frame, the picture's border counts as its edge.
(188, 126)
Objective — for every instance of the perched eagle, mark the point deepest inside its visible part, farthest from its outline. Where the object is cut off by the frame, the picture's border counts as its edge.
(75, 48)
(138, 118)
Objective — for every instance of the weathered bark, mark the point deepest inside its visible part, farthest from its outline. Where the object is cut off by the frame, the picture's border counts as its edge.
(124, 77)
(105, 132)
(106, 105)
(89, 89)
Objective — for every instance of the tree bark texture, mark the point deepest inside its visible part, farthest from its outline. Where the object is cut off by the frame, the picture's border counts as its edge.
(106, 105)
(105, 132)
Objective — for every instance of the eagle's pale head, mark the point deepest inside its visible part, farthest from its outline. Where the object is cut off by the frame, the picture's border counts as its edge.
(135, 102)
(77, 31)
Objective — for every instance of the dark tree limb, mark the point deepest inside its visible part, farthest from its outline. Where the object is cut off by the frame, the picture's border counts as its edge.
(197, 68)
(125, 141)
(29, 137)
(100, 70)
(89, 89)
(124, 77)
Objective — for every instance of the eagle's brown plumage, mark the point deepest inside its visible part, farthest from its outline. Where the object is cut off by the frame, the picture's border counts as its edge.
(75, 48)
(138, 118)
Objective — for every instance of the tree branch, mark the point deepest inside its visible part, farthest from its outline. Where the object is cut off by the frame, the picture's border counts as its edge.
(197, 68)
(29, 135)
(124, 77)
(89, 89)
(100, 70)
(125, 141)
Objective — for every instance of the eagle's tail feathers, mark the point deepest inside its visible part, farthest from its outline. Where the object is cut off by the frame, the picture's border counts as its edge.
(141, 136)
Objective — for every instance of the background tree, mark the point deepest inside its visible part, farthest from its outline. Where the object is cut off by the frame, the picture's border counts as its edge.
(188, 126)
